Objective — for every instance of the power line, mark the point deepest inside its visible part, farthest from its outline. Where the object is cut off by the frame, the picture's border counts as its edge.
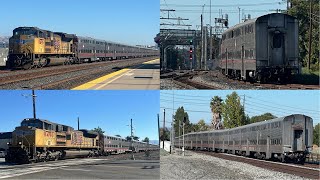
(280, 104)
(220, 5)
(186, 110)
(192, 98)
(200, 96)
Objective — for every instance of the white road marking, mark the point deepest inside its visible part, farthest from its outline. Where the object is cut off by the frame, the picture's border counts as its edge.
(129, 74)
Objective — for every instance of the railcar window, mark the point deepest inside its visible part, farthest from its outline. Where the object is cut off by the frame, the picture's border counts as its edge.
(277, 40)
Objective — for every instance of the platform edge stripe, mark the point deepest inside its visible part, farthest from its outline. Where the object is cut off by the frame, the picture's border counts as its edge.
(151, 61)
(92, 83)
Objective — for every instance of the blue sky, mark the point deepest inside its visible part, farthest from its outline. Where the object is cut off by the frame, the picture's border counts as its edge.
(125, 21)
(111, 110)
(192, 10)
(278, 102)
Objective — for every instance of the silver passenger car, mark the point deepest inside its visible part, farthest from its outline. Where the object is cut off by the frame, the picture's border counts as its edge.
(285, 138)
(4, 50)
(261, 49)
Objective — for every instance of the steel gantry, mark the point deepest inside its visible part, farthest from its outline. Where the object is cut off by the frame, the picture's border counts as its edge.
(168, 38)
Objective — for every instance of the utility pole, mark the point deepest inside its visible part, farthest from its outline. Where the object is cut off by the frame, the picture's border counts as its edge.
(159, 130)
(34, 104)
(172, 125)
(239, 15)
(210, 51)
(164, 126)
(78, 124)
(244, 101)
(132, 156)
(205, 47)
(310, 35)
(183, 136)
(179, 134)
(172, 136)
(202, 42)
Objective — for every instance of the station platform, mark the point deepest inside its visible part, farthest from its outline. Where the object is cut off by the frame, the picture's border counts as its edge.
(145, 76)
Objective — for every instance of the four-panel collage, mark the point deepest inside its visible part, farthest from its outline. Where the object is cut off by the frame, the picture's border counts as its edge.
(160, 89)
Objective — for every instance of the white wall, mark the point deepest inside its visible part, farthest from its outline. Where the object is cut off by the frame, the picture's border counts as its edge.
(166, 145)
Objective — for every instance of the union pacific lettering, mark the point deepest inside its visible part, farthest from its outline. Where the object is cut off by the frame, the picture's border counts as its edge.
(49, 134)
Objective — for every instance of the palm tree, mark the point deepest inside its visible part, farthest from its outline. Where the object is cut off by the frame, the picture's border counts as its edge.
(216, 109)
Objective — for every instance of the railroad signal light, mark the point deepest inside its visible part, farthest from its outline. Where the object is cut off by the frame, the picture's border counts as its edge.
(190, 57)
(191, 51)
(191, 41)
(226, 23)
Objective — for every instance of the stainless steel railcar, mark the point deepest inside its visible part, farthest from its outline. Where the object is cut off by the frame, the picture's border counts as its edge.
(4, 50)
(285, 138)
(261, 49)
(118, 145)
(90, 49)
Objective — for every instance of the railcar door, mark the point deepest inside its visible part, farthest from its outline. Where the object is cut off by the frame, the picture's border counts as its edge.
(242, 63)
(277, 49)
(226, 71)
(298, 141)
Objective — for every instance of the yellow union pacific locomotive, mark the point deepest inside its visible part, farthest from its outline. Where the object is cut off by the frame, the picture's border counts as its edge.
(41, 140)
(31, 47)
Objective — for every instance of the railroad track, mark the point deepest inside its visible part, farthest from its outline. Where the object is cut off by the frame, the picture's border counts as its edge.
(290, 86)
(16, 77)
(185, 80)
(311, 171)
(196, 85)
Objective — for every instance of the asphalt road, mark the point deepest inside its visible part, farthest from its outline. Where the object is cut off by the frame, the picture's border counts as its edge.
(84, 169)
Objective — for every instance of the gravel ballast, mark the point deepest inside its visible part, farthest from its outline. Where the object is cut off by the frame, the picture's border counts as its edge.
(200, 166)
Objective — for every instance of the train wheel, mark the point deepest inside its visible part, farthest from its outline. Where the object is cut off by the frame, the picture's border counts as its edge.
(283, 159)
(27, 66)
(42, 62)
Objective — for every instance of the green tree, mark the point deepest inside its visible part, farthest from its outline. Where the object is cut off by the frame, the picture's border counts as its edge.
(98, 130)
(233, 112)
(316, 134)
(146, 139)
(164, 135)
(200, 126)
(300, 10)
(136, 138)
(216, 109)
(179, 117)
(263, 117)
(128, 138)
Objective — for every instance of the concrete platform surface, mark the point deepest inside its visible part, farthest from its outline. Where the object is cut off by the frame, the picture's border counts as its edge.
(145, 76)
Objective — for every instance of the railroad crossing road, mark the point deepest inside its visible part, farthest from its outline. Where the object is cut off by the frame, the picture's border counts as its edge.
(145, 76)
(85, 169)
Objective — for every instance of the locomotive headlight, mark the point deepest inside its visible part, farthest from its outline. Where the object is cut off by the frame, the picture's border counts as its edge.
(20, 143)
